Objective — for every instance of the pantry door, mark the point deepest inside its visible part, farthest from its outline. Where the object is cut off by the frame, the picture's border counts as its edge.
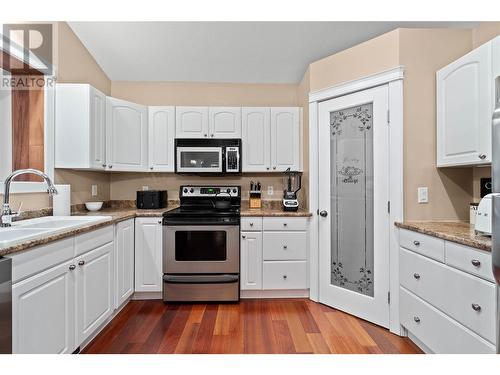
(353, 204)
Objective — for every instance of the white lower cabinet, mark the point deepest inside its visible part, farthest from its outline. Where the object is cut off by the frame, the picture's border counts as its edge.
(274, 253)
(251, 261)
(43, 310)
(124, 260)
(148, 254)
(63, 292)
(95, 298)
(447, 300)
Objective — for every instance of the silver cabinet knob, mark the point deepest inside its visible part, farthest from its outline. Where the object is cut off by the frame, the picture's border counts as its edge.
(284, 277)
(110, 166)
(416, 319)
(482, 156)
(81, 262)
(476, 307)
(212, 135)
(267, 168)
(475, 262)
(285, 224)
(243, 236)
(205, 135)
(285, 247)
(151, 167)
(72, 267)
(323, 213)
(416, 276)
(416, 243)
(159, 221)
(274, 167)
(104, 165)
(251, 224)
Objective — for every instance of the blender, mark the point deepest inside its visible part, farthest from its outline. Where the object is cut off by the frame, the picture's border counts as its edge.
(292, 184)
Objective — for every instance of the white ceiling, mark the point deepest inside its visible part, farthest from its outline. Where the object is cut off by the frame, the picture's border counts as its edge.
(250, 52)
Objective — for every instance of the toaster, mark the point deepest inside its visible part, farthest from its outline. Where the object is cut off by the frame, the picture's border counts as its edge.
(151, 199)
(483, 216)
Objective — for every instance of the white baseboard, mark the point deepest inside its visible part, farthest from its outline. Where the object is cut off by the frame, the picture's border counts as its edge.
(277, 293)
(147, 295)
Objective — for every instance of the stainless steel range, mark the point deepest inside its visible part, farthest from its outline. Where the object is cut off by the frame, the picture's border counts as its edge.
(201, 245)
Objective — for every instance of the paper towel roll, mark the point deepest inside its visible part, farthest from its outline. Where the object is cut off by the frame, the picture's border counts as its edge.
(61, 202)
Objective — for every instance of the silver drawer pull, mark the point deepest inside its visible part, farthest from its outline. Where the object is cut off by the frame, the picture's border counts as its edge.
(416, 276)
(416, 243)
(251, 224)
(284, 277)
(476, 307)
(243, 236)
(475, 262)
(285, 247)
(416, 319)
(285, 224)
(72, 267)
(482, 156)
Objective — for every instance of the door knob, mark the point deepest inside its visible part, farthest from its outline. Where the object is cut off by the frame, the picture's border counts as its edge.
(323, 213)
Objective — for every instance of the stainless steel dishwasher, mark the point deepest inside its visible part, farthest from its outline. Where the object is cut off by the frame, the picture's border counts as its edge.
(5, 306)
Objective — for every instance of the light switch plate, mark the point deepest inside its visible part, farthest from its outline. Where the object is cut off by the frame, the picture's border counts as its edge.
(94, 190)
(423, 194)
(270, 190)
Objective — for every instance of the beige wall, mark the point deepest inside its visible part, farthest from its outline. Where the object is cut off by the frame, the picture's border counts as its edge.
(367, 58)
(484, 32)
(422, 52)
(125, 185)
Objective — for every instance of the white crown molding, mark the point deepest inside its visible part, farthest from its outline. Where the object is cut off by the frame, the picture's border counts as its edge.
(363, 83)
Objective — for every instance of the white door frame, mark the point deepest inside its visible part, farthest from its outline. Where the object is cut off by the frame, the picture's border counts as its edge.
(394, 79)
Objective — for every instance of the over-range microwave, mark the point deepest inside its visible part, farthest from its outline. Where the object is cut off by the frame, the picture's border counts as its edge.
(207, 156)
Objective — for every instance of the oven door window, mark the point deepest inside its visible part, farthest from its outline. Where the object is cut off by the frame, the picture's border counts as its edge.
(200, 246)
(201, 159)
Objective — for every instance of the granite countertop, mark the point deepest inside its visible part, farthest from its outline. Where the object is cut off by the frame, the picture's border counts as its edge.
(271, 208)
(454, 231)
(123, 211)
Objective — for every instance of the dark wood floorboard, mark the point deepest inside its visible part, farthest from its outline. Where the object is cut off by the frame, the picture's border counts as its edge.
(258, 326)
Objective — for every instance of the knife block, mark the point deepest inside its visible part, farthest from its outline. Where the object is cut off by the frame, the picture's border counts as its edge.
(255, 199)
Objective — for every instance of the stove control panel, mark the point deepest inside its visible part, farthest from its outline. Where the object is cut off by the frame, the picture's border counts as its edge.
(210, 191)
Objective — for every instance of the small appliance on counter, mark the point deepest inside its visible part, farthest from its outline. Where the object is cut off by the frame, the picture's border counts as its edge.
(255, 195)
(151, 199)
(292, 184)
(483, 216)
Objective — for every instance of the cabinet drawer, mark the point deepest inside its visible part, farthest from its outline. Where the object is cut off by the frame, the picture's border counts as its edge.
(436, 330)
(466, 298)
(426, 245)
(36, 260)
(285, 275)
(285, 223)
(285, 245)
(470, 260)
(251, 223)
(93, 239)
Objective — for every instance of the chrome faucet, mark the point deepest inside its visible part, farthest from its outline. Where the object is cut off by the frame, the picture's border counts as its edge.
(7, 214)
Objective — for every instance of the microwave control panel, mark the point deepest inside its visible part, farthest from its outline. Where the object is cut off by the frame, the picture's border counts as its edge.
(232, 159)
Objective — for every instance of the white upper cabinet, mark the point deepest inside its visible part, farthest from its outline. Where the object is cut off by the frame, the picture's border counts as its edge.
(191, 122)
(224, 122)
(126, 136)
(465, 102)
(161, 133)
(80, 127)
(285, 138)
(256, 139)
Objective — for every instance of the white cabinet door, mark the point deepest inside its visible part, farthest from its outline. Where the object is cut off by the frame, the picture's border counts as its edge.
(251, 260)
(43, 312)
(191, 122)
(97, 125)
(126, 136)
(148, 254)
(161, 133)
(224, 122)
(464, 109)
(285, 134)
(95, 286)
(124, 260)
(256, 139)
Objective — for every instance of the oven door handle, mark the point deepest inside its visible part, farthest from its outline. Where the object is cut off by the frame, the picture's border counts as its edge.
(200, 279)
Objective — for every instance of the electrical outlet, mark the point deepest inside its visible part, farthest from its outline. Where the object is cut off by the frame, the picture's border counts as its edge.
(270, 190)
(423, 194)
(94, 190)
(145, 187)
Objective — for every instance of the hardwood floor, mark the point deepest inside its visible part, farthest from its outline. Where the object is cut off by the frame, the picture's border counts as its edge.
(251, 326)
